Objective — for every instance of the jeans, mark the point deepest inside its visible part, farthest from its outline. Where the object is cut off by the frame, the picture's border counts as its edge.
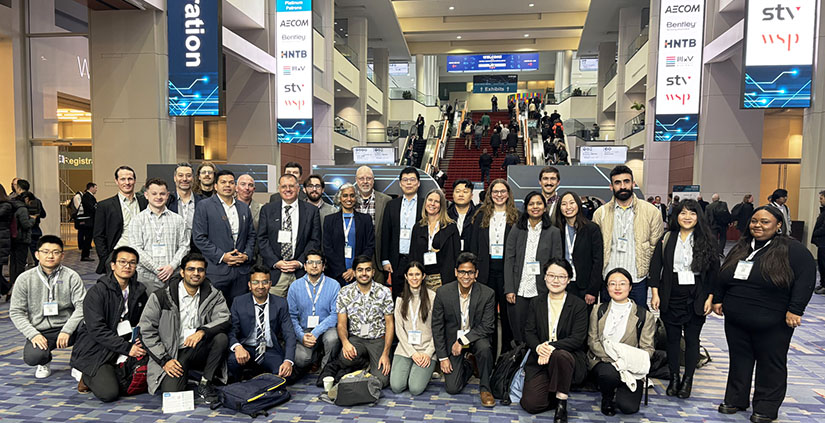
(330, 342)
(404, 374)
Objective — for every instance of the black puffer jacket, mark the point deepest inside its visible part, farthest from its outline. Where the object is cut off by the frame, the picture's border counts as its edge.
(24, 222)
(6, 213)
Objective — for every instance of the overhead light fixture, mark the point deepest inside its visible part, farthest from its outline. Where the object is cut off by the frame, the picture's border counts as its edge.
(451, 7)
(531, 4)
(346, 35)
(337, 90)
(526, 35)
(458, 37)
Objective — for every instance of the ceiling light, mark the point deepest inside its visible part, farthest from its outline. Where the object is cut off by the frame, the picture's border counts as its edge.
(452, 8)
(337, 90)
(531, 4)
(458, 37)
(336, 23)
(526, 35)
(346, 35)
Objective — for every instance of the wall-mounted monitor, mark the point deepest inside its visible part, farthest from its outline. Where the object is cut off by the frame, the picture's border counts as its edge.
(516, 62)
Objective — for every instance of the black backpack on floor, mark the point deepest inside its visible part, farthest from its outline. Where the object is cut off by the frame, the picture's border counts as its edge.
(253, 397)
(506, 367)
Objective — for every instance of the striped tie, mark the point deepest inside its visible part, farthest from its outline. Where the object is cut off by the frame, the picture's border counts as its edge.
(260, 338)
(286, 247)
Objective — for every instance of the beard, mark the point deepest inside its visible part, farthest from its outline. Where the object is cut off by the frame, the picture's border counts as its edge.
(313, 195)
(623, 194)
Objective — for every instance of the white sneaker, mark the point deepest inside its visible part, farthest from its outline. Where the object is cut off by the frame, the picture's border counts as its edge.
(42, 372)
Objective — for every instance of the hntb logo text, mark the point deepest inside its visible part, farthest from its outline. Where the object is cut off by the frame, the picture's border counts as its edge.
(684, 42)
(294, 54)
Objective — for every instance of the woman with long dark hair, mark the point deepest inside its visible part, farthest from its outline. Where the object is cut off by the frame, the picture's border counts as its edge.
(435, 241)
(491, 227)
(764, 285)
(531, 244)
(583, 247)
(414, 360)
(683, 270)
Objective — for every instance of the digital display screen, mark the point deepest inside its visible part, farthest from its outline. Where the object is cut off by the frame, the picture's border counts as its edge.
(517, 62)
(495, 83)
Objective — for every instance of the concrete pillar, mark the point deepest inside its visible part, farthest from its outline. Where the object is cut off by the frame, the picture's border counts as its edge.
(812, 173)
(656, 154)
(607, 54)
(559, 74)
(629, 26)
(358, 40)
(426, 75)
(322, 151)
(567, 67)
(44, 159)
(381, 68)
(129, 73)
(728, 154)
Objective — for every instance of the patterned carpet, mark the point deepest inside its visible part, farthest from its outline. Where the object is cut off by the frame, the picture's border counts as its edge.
(26, 399)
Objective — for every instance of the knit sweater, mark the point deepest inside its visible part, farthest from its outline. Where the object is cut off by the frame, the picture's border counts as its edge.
(29, 294)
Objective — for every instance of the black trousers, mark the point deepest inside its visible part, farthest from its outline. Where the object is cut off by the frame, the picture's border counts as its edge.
(820, 261)
(398, 276)
(482, 349)
(722, 236)
(208, 355)
(765, 348)
(611, 386)
(34, 356)
(84, 241)
(542, 383)
(17, 260)
(691, 329)
(518, 317)
(496, 282)
(5, 286)
(104, 384)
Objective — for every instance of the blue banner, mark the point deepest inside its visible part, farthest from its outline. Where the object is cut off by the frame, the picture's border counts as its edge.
(770, 87)
(495, 83)
(520, 62)
(195, 50)
(676, 127)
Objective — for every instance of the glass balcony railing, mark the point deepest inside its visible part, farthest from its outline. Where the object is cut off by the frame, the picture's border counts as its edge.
(635, 125)
(611, 72)
(412, 94)
(347, 52)
(583, 129)
(347, 128)
(317, 23)
(580, 90)
(637, 44)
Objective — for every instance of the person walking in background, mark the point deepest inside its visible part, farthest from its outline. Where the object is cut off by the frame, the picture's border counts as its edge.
(818, 239)
(36, 211)
(484, 163)
(779, 199)
(6, 217)
(20, 243)
(419, 126)
(485, 123)
(494, 101)
(718, 218)
(85, 221)
(741, 213)
(468, 133)
(478, 132)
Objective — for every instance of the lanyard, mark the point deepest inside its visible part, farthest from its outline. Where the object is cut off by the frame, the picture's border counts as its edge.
(753, 245)
(317, 292)
(405, 211)
(431, 235)
(554, 324)
(465, 311)
(347, 227)
(414, 311)
(626, 225)
(125, 293)
(570, 242)
(497, 227)
(158, 229)
(687, 251)
(49, 286)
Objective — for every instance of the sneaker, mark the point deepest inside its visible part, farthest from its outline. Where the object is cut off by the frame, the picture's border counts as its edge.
(42, 372)
(820, 290)
(206, 393)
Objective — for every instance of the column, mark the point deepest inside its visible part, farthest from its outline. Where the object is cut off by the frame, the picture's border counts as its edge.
(322, 151)
(656, 154)
(728, 155)
(629, 26)
(426, 75)
(45, 172)
(131, 125)
(559, 74)
(606, 121)
(812, 173)
(381, 67)
(567, 67)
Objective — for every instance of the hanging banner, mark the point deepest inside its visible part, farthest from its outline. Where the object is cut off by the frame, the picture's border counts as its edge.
(679, 71)
(294, 39)
(195, 55)
(779, 54)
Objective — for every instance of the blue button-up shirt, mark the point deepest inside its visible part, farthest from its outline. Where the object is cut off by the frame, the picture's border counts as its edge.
(300, 305)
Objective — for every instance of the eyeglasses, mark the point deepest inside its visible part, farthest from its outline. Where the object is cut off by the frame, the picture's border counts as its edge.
(195, 269)
(256, 283)
(313, 186)
(315, 262)
(500, 192)
(561, 278)
(466, 273)
(207, 172)
(622, 284)
(53, 253)
(409, 180)
(127, 263)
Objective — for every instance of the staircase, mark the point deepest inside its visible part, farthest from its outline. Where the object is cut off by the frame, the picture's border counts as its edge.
(418, 147)
(460, 163)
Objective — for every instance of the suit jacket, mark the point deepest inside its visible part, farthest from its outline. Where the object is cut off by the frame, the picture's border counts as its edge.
(595, 332)
(89, 203)
(381, 201)
(245, 318)
(446, 320)
(571, 331)
(588, 257)
(514, 252)
(172, 203)
(213, 237)
(308, 237)
(661, 275)
(334, 241)
(467, 230)
(480, 246)
(446, 241)
(109, 228)
(391, 229)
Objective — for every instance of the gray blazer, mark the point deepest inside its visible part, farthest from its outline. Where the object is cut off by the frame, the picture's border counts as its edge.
(516, 248)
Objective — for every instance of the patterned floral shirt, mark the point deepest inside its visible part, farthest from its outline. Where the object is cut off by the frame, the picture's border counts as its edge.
(368, 310)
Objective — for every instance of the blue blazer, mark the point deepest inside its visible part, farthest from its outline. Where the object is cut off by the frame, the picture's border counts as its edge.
(172, 203)
(244, 321)
(308, 238)
(213, 236)
(334, 241)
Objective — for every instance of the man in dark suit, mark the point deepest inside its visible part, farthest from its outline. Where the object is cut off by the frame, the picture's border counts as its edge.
(260, 321)
(347, 234)
(464, 318)
(85, 221)
(295, 169)
(114, 216)
(223, 232)
(718, 218)
(400, 216)
(183, 200)
(373, 203)
(287, 229)
(462, 209)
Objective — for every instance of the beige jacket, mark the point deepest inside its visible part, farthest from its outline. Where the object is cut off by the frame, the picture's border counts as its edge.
(596, 353)
(648, 228)
(404, 325)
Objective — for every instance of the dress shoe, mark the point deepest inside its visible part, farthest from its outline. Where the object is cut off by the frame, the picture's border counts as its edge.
(608, 407)
(687, 385)
(487, 399)
(86, 259)
(81, 387)
(561, 412)
(820, 290)
(726, 408)
(760, 418)
(673, 386)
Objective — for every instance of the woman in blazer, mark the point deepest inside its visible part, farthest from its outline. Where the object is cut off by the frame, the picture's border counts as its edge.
(531, 244)
(682, 272)
(347, 234)
(618, 322)
(582, 247)
(491, 227)
(414, 360)
(435, 241)
(556, 332)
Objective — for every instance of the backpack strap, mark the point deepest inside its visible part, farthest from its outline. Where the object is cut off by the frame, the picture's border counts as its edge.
(641, 316)
(602, 310)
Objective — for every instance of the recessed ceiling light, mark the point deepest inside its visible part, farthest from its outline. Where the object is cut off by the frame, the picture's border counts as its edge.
(526, 35)
(336, 23)
(337, 90)
(458, 37)
(346, 35)
(531, 4)
(452, 8)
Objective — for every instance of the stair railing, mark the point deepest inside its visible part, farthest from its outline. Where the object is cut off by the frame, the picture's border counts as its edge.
(441, 142)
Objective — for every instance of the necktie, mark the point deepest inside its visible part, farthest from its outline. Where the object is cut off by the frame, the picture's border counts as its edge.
(260, 338)
(286, 247)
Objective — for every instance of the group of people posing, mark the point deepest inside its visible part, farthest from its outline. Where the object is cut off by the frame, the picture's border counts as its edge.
(412, 286)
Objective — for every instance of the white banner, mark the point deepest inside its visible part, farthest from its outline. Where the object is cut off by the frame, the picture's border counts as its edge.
(294, 40)
(603, 155)
(373, 155)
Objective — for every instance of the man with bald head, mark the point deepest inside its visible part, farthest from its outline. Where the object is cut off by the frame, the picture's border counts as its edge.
(372, 202)
(718, 218)
(245, 188)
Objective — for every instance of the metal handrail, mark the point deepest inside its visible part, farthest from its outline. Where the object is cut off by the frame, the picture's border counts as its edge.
(441, 144)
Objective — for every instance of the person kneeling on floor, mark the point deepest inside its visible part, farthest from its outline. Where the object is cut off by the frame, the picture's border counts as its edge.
(184, 328)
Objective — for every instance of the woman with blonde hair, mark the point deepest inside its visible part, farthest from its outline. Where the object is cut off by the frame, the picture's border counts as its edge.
(435, 241)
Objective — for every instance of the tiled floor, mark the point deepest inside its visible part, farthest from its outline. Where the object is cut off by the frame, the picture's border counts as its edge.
(25, 399)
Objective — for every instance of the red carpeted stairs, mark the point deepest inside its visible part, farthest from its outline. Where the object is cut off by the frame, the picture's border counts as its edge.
(460, 163)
